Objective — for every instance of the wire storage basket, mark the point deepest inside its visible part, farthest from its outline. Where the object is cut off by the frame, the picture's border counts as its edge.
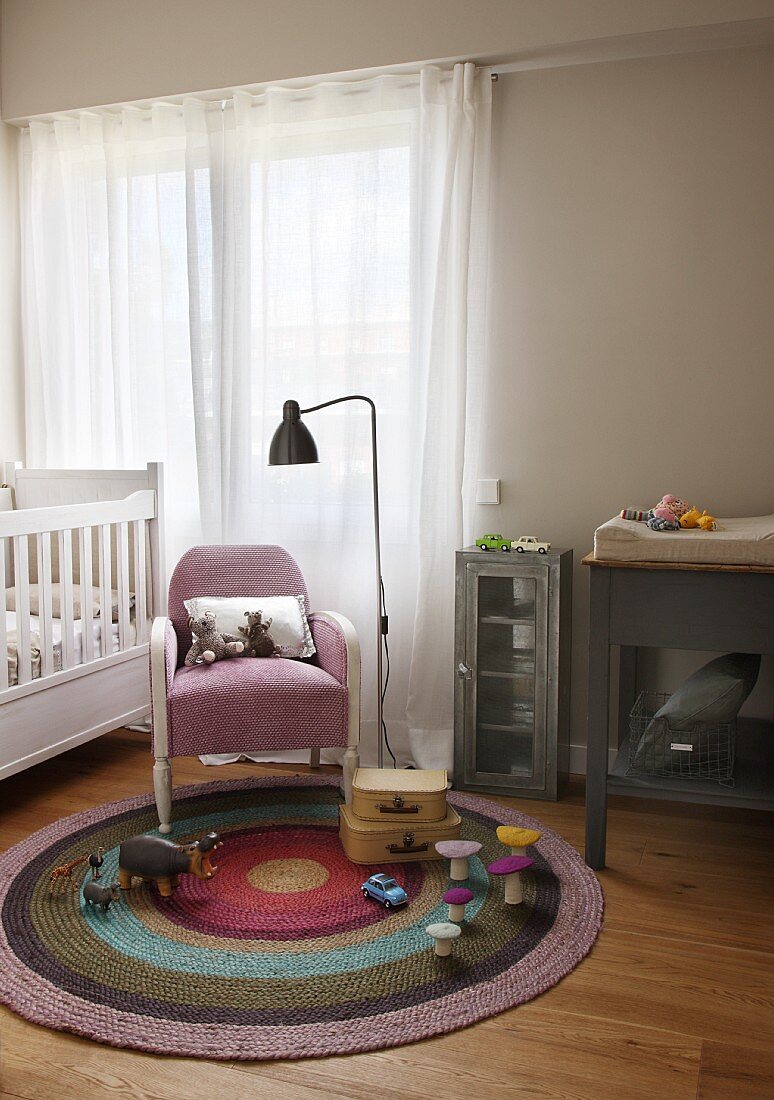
(699, 750)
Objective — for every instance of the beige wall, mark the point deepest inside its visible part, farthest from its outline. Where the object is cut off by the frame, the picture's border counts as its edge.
(11, 407)
(632, 322)
(62, 54)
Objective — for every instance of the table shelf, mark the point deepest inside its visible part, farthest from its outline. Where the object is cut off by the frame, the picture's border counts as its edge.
(753, 774)
(720, 609)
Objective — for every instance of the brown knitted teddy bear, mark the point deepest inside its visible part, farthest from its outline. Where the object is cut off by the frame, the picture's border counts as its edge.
(259, 643)
(209, 644)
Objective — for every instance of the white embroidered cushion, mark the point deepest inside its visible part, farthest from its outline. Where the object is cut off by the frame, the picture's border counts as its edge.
(289, 627)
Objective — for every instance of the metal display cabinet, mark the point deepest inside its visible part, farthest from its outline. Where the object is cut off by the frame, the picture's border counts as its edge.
(512, 680)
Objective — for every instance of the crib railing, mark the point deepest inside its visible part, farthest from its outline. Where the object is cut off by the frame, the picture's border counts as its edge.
(90, 544)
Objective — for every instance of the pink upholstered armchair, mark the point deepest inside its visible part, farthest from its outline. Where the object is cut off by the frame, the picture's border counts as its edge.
(246, 704)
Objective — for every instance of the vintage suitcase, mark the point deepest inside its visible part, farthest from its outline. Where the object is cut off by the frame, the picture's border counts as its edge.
(394, 840)
(382, 793)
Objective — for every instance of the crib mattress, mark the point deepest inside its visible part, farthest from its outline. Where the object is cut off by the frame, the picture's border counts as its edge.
(56, 631)
(744, 541)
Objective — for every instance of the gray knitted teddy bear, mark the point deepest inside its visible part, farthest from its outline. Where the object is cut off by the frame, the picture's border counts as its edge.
(209, 644)
(258, 640)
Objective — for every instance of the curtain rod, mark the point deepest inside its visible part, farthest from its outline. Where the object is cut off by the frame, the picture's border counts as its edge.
(216, 97)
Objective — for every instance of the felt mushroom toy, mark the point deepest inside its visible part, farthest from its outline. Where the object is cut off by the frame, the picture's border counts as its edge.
(443, 934)
(457, 898)
(517, 839)
(458, 851)
(510, 867)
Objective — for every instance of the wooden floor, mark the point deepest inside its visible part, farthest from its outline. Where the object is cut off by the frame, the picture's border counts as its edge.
(676, 999)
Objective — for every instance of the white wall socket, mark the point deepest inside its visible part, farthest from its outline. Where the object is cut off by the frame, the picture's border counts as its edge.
(488, 490)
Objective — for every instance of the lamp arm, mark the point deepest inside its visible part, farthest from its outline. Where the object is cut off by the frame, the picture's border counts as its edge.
(381, 621)
(339, 400)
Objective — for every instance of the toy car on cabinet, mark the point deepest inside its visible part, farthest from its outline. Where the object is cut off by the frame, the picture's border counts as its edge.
(530, 543)
(493, 542)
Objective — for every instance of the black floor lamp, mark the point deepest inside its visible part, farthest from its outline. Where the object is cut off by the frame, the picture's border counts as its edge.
(294, 444)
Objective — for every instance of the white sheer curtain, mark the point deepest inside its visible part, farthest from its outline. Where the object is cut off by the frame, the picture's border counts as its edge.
(450, 347)
(187, 269)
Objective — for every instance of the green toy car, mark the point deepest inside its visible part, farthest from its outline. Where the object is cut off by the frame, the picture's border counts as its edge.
(494, 542)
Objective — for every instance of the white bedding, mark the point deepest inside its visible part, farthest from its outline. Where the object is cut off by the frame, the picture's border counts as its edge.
(745, 541)
(56, 629)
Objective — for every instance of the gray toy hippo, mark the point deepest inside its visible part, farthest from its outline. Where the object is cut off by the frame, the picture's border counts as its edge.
(94, 893)
(161, 861)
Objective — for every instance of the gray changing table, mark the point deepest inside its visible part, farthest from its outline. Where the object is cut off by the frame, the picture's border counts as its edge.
(674, 606)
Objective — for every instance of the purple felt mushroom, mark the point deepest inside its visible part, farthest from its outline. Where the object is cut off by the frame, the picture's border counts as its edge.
(511, 867)
(458, 851)
(457, 898)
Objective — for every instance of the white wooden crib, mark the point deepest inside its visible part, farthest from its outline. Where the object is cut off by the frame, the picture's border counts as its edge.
(66, 679)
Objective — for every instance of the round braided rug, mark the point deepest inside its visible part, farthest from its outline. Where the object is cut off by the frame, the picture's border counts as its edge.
(279, 955)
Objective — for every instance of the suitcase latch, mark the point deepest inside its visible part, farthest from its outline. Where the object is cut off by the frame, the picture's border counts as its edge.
(408, 845)
(397, 806)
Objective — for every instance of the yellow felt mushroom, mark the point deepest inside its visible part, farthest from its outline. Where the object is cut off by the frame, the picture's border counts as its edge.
(516, 838)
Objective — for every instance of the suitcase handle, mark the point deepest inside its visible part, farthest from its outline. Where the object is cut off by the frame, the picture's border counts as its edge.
(397, 806)
(408, 845)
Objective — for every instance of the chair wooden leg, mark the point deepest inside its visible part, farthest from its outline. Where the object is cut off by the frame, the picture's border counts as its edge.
(314, 758)
(351, 764)
(162, 785)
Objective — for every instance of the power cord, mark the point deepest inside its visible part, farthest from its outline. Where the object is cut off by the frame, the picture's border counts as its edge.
(387, 674)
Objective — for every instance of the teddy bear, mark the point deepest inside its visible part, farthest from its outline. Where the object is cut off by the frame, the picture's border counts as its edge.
(209, 644)
(259, 643)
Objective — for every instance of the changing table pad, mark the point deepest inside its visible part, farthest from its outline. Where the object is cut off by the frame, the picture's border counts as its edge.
(745, 541)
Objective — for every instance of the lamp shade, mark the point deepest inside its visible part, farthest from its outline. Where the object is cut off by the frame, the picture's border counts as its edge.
(292, 442)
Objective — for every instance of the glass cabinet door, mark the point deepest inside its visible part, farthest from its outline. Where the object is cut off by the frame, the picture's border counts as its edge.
(506, 692)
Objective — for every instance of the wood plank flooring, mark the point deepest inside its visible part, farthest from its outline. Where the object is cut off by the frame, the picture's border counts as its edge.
(676, 999)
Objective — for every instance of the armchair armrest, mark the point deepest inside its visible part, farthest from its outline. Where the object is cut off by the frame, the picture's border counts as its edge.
(338, 654)
(331, 634)
(163, 663)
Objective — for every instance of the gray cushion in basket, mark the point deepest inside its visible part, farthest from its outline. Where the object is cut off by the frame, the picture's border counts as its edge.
(711, 696)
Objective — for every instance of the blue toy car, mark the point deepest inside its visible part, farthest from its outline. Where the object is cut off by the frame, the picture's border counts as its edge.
(384, 889)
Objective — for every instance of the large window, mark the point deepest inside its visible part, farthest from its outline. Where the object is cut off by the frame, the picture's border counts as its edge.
(188, 268)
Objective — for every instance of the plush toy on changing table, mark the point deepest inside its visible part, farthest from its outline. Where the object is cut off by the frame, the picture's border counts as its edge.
(671, 514)
(694, 519)
(667, 514)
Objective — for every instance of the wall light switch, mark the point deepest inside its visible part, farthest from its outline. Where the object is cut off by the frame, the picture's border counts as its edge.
(488, 491)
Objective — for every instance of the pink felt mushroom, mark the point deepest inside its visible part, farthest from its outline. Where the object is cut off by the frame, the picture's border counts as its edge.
(510, 868)
(458, 851)
(457, 898)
